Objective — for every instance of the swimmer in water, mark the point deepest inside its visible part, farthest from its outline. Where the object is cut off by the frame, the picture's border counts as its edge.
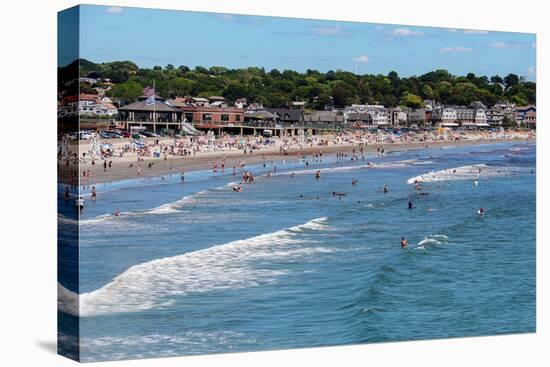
(182, 176)
(403, 242)
(80, 204)
(481, 211)
(410, 204)
(117, 212)
(354, 181)
(94, 193)
(318, 174)
(386, 189)
(292, 175)
(476, 183)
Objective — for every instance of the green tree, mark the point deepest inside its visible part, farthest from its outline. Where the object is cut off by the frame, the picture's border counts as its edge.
(510, 80)
(128, 90)
(411, 100)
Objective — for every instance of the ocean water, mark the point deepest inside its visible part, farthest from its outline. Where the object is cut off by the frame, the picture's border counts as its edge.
(194, 268)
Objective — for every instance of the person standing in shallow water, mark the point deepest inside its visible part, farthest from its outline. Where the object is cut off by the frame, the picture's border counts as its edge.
(403, 242)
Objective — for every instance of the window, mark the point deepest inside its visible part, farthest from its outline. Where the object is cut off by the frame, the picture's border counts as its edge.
(225, 117)
(238, 118)
(207, 117)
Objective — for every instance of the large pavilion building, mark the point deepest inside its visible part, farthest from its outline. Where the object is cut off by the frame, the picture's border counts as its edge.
(151, 116)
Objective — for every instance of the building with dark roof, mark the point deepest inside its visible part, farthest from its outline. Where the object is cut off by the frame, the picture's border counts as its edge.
(151, 116)
(288, 116)
(527, 115)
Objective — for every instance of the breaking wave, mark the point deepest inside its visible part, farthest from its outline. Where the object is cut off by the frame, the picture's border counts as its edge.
(472, 172)
(374, 165)
(154, 284)
(432, 240)
(169, 208)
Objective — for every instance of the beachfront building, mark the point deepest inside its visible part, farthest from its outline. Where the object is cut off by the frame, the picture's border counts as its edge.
(445, 116)
(288, 117)
(398, 116)
(332, 120)
(150, 116)
(480, 118)
(281, 122)
(416, 117)
(208, 114)
(495, 117)
(465, 116)
(212, 117)
(526, 116)
(366, 115)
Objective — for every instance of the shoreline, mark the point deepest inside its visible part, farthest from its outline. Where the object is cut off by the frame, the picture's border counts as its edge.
(175, 165)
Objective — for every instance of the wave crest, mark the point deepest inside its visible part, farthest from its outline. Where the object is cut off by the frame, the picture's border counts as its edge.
(154, 284)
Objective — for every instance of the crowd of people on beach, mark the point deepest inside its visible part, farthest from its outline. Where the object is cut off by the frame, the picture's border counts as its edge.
(208, 145)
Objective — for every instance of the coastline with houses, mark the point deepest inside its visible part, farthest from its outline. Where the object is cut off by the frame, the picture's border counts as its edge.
(196, 132)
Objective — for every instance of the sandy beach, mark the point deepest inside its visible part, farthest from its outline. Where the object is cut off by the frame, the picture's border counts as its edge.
(126, 167)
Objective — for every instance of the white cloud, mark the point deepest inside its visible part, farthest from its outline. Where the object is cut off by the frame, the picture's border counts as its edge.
(362, 58)
(467, 31)
(460, 49)
(500, 44)
(114, 10)
(475, 31)
(405, 32)
(336, 30)
(227, 16)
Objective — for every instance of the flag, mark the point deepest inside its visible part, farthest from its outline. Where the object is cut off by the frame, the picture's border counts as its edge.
(150, 94)
(148, 91)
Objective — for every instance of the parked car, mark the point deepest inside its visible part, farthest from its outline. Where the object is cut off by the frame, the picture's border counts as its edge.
(105, 134)
(81, 135)
(149, 134)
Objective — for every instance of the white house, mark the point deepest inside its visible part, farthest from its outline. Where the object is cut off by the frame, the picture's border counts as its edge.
(373, 115)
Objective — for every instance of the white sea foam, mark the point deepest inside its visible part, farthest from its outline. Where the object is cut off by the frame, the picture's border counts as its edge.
(429, 241)
(466, 173)
(67, 301)
(65, 220)
(432, 240)
(159, 345)
(169, 208)
(154, 284)
(374, 165)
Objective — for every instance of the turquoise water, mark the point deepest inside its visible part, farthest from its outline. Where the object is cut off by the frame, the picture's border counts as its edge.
(194, 267)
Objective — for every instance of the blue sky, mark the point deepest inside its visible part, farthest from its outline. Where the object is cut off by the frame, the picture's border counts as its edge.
(160, 37)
